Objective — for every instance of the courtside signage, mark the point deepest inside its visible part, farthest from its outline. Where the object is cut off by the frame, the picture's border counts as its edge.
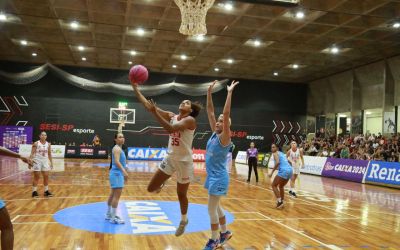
(313, 165)
(383, 173)
(148, 154)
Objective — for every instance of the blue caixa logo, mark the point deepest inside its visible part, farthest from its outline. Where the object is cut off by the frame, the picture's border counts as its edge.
(141, 217)
(148, 154)
(387, 173)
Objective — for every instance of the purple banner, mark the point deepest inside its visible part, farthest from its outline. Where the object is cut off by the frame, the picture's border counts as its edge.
(345, 169)
(12, 136)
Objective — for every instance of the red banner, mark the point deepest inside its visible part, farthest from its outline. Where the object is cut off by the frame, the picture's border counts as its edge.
(199, 155)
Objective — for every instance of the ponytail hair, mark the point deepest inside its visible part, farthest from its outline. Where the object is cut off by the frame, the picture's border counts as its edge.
(115, 137)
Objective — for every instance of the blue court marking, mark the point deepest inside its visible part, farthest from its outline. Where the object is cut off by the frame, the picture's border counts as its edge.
(141, 217)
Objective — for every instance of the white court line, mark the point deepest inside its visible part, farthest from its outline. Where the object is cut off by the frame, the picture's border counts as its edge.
(334, 218)
(301, 233)
(27, 215)
(38, 222)
(16, 217)
(309, 202)
(252, 219)
(13, 175)
(244, 212)
(93, 185)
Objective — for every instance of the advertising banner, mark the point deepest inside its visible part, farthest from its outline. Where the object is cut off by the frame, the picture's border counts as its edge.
(12, 136)
(57, 151)
(313, 165)
(86, 152)
(148, 154)
(241, 157)
(383, 173)
(345, 169)
(199, 155)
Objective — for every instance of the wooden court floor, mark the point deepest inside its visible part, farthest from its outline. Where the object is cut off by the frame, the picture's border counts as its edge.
(329, 214)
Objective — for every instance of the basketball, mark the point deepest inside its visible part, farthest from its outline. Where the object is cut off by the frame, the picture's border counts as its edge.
(138, 74)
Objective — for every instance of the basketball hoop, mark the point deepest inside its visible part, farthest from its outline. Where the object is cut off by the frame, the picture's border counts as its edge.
(193, 14)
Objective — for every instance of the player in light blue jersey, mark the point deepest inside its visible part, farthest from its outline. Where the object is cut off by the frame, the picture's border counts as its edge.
(6, 227)
(217, 180)
(284, 174)
(118, 177)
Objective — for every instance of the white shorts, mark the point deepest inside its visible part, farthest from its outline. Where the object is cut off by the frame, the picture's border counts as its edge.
(296, 170)
(184, 169)
(41, 165)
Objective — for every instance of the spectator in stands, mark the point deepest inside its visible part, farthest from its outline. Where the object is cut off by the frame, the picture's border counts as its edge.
(96, 141)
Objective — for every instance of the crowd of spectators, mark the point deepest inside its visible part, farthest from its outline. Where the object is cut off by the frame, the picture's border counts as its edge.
(360, 147)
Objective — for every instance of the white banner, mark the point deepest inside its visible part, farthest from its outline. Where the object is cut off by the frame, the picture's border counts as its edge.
(241, 157)
(57, 151)
(313, 165)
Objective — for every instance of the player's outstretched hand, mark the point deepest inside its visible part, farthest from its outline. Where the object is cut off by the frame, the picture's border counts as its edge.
(152, 106)
(232, 86)
(210, 88)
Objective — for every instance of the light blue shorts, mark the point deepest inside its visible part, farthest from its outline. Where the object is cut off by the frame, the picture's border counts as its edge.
(285, 173)
(217, 186)
(116, 179)
(2, 204)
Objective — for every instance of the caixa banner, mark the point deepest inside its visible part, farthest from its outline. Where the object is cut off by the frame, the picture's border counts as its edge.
(345, 169)
(383, 173)
(148, 154)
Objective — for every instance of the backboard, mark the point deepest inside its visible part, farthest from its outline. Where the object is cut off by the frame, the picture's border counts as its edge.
(118, 115)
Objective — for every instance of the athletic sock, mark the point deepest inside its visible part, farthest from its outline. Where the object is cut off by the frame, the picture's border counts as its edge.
(214, 235)
(46, 188)
(223, 228)
(34, 188)
(184, 217)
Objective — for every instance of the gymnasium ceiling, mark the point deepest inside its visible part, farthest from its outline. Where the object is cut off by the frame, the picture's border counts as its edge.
(361, 29)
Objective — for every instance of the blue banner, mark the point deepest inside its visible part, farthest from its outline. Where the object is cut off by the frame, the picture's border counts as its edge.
(383, 173)
(148, 154)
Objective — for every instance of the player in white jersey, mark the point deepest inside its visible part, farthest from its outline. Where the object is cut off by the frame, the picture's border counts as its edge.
(295, 157)
(179, 158)
(41, 155)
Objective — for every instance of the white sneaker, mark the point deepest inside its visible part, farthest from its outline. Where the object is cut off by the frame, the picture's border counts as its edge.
(108, 216)
(117, 220)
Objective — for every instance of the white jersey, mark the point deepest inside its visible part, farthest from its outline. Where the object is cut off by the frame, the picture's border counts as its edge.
(180, 143)
(294, 156)
(42, 151)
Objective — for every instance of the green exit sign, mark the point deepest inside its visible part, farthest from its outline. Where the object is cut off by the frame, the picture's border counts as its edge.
(122, 104)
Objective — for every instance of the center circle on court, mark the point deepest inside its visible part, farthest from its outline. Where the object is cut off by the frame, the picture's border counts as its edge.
(141, 217)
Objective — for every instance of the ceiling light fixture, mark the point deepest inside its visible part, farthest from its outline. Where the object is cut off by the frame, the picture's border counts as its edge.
(396, 25)
(24, 42)
(299, 15)
(276, 73)
(133, 53)
(140, 31)
(83, 58)
(257, 43)
(183, 57)
(74, 24)
(81, 48)
(230, 61)
(334, 50)
(216, 69)
(228, 6)
(295, 66)
(34, 54)
(174, 66)
(3, 17)
(129, 62)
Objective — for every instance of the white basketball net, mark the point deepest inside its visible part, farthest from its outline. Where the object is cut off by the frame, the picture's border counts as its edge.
(193, 14)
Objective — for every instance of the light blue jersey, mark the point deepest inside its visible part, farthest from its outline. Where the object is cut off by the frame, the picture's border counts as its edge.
(116, 175)
(285, 169)
(2, 204)
(217, 180)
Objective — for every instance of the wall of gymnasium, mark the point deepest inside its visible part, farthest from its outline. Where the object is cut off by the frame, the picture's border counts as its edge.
(373, 86)
(256, 105)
